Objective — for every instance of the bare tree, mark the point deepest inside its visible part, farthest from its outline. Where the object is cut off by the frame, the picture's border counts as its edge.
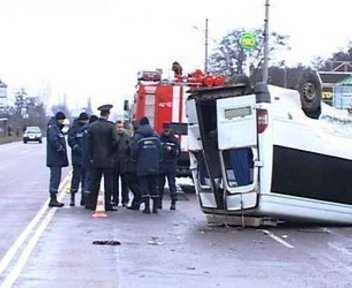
(229, 58)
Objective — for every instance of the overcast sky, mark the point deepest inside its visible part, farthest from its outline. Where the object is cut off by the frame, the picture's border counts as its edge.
(95, 47)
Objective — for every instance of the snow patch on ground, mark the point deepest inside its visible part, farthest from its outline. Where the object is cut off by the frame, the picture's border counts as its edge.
(340, 121)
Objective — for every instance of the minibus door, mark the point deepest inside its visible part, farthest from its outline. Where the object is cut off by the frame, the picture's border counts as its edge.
(193, 139)
(237, 143)
(199, 167)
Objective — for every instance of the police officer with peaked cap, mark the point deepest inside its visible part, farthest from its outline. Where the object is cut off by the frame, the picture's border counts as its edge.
(101, 146)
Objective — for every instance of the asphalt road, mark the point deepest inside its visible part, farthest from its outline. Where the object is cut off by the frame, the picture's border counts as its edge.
(171, 249)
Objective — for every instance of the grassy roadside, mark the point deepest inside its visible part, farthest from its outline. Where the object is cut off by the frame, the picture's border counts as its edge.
(5, 140)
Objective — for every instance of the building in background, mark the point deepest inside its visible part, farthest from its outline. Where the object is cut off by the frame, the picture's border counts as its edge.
(337, 72)
(3, 96)
(343, 94)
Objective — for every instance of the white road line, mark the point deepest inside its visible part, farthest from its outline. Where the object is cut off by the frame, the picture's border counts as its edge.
(5, 261)
(278, 239)
(27, 251)
(11, 252)
(23, 258)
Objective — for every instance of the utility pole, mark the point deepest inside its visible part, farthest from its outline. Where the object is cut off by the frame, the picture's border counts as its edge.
(266, 43)
(206, 46)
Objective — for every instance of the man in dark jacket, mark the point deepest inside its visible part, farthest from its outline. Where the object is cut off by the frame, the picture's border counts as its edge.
(131, 173)
(56, 155)
(101, 147)
(147, 152)
(171, 151)
(87, 166)
(122, 140)
(75, 140)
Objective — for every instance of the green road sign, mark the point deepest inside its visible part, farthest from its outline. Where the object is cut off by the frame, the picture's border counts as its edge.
(248, 41)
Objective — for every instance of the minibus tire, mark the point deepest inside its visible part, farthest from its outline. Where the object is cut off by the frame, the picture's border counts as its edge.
(310, 94)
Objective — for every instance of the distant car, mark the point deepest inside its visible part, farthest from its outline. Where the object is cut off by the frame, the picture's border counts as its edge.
(32, 133)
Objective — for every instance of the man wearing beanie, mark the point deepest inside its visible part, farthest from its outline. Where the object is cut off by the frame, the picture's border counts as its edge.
(56, 155)
(75, 140)
(147, 153)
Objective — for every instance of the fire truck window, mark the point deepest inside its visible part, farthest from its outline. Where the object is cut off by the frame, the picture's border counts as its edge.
(150, 108)
(150, 99)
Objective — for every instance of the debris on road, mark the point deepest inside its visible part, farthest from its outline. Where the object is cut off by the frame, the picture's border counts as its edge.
(155, 241)
(107, 242)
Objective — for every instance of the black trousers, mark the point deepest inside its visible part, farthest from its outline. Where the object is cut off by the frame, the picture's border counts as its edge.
(95, 175)
(168, 173)
(133, 185)
(124, 187)
(149, 186)
(78, 177)
(55, 179)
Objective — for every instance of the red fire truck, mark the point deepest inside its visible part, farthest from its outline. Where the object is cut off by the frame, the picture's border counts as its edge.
(163, 101)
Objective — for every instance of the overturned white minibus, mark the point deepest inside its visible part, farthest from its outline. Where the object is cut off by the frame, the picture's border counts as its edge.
(256, 152)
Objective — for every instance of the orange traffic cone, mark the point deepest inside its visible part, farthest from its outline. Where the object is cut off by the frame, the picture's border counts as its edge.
(100, 208)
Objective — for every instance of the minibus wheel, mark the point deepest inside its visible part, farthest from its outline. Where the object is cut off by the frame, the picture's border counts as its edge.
(310, 94)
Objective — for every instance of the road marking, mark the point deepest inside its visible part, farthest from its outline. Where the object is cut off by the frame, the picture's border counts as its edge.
(278, 239)
(5, 261)
(27, 251)
(11, 252)
(23, 258)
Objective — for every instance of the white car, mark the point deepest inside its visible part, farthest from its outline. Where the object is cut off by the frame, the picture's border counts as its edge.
(270, 152)
(32, 134)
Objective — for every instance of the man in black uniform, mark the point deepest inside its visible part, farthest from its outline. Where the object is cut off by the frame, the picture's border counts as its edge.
(56, 155)
(147, 152)
(75, 140)
(171, 151)
(101, 146)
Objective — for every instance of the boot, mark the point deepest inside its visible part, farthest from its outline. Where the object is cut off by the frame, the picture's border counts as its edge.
(156, 205)
(146, 206)
(173, 205)
(72, 202)
(134, 205)
(160, 204)
(83, 202)
(53, 201)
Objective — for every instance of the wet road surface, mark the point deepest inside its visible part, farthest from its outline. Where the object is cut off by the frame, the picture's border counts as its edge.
(171, 249)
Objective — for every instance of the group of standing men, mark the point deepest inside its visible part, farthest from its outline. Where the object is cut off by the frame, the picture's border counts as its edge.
(137, 156)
